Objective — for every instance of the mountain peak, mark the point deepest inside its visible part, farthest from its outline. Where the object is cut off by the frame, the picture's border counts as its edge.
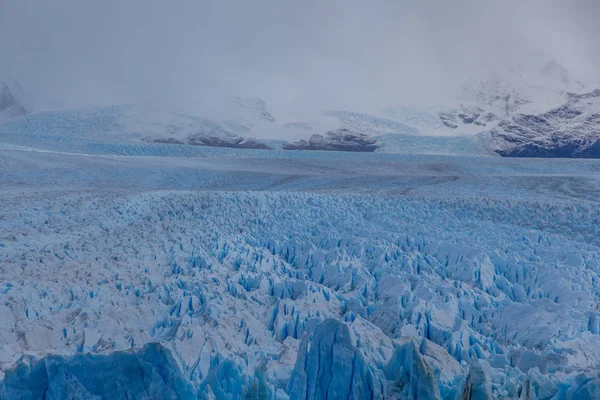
(10, 100)
(553, 70)
(256, 106)
(7, 99)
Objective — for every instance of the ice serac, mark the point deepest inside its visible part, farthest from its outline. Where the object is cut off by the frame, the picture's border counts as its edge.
(478, 386)
(150, 372)
(411, 375)
(339, 140)
(232, 280)
(571, 130)
(330, 367)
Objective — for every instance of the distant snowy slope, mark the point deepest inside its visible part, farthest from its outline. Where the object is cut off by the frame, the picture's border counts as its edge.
(498, 112)
(426, 120)
(371, 124)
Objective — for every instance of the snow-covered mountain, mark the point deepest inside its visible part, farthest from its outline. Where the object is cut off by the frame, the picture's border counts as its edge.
(547, 113)
(504, 111)
(483, 102)
(571, 130)
(543, 113)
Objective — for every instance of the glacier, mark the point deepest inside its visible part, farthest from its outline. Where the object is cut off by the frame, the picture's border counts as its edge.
(150, 372)
(230, 273)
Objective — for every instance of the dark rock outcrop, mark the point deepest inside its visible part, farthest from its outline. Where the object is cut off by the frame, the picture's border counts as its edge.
(166, 140)
(232, 141)
(339, 140)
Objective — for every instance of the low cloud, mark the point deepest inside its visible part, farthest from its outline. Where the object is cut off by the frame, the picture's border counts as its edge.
(298, 56)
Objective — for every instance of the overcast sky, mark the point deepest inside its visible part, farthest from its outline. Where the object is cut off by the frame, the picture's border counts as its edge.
(294, 54)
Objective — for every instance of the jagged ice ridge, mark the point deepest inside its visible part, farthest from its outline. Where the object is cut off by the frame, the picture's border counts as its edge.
(300, 295)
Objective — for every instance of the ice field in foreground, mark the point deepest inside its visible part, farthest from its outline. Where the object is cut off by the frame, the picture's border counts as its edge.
(233, 274)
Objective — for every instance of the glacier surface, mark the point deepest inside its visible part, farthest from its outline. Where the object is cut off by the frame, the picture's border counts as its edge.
(228, 273)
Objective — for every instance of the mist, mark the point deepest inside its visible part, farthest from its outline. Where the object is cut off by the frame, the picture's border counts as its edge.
(297, 56)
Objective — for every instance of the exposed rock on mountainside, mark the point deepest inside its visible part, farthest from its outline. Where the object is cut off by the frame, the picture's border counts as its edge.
(571, 130)
(255, 107)
(339, 140)
(475, 116)
(482, 104)
(228, 140)
(202, 139)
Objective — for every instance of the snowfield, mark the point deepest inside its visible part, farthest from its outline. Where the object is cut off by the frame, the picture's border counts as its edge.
(228, 273)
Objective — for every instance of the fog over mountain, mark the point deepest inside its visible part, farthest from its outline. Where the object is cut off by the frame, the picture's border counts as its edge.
(297, 56)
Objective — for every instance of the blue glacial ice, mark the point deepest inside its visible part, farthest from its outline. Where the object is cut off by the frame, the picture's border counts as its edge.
(147, 373)
(268, 275)
(328, 366)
